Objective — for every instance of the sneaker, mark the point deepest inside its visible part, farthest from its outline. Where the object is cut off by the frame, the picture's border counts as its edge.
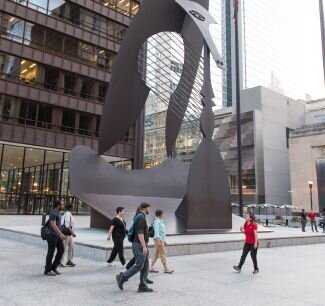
(70, 264)
(56, 272)
(144, 288)
(120, 280)
(169, 271)
(49, 273)
(256, 271)
(149, 281)
(236, 268)
(61, 265)
(154, 271)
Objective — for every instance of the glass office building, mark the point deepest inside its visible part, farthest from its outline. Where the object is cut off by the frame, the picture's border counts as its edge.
(55, 67)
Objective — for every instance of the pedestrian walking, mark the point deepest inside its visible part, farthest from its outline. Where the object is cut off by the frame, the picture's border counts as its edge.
(251, 243)
(160, 243)
(303, 220)
(312, 218)
(139, 236)
(55, 240)
(68, 229)
(117, 231)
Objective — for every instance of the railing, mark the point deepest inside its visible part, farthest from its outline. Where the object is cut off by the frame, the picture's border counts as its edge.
(27, 122)
(84, 25)
(62, 129)
(51, 87)
(99, 62)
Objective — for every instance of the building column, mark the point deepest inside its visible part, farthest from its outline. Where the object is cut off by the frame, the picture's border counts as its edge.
(95, 91)
(2, 102)
(15, 109)
(57, 118)
(92, 125)
(61, 82)
(77, 87)
(77, 123)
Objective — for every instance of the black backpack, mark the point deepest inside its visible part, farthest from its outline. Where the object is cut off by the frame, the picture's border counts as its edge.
(131, 233)
(45, 230)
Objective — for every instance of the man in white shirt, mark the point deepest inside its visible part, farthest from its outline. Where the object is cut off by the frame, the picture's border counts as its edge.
(68, 224)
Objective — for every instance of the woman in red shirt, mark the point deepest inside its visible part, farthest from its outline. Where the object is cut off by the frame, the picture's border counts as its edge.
(251, 243)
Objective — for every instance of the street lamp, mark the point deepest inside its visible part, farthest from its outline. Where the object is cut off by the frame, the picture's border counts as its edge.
(310, 184)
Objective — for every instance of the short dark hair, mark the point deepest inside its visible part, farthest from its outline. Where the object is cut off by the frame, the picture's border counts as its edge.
(144, 206)
(119, 209)
(252, 217)
(159, 213)
(68, 206)
(56, 203)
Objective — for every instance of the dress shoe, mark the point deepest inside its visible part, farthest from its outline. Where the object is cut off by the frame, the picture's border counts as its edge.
(144, 288)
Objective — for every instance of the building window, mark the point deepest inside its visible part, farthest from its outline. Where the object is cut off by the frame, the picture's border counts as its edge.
(28, 113)
(28, 71)
(102, 91)
(51, 79)
(34, 35)
(68, 121)
(44, 119)
(85, 123)
(70, 81)
(54, 41)
(12, 27)
(86, 88)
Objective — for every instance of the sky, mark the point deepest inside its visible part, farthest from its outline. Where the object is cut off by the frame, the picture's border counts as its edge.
(283, 46)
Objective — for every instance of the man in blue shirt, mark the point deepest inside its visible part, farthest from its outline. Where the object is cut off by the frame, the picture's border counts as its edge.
(140, 251)
(55, 240)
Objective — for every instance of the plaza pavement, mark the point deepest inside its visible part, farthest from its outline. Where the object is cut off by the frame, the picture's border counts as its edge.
(290, 276)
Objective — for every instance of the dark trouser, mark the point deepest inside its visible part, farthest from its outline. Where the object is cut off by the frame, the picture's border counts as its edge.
(130, 263)
(141, 264)
(53, 242)
(303, 225)
(117, 249)
(313, 225)
(249, 248)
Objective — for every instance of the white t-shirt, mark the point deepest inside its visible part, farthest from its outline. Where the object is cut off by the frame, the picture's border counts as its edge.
(67, 220)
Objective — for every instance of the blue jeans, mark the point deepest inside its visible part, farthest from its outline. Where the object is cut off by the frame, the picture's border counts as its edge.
(141, 264)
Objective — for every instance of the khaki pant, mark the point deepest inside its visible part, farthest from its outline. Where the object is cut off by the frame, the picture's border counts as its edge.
(68, 250)
(160, 252)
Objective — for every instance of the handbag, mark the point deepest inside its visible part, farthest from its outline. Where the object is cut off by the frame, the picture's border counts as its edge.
(66, 230)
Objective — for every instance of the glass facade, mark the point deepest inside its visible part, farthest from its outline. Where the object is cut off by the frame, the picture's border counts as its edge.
(126, 7)
(225, 136)
(50, 78)
(37, 36)
(31, 178)
(82, 17)
(36, 114)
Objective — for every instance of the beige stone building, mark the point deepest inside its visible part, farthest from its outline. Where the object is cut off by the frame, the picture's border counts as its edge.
(307, 159)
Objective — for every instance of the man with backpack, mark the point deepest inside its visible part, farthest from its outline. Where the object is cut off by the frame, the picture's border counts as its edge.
(138, 234)
(54, 238)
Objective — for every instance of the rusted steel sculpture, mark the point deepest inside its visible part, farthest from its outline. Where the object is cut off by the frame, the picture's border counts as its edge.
(195, 198)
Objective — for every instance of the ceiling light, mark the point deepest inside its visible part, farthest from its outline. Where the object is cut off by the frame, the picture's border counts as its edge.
(24, 71)
(23, 62)
(32, 66)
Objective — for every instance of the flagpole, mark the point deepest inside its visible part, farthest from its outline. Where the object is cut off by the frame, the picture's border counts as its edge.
(238, 111)
(322, 29)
